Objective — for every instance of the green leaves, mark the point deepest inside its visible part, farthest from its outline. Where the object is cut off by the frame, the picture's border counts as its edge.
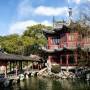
(37, 39)
(28, 43)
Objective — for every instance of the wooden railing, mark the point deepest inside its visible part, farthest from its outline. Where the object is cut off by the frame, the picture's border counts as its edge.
(62, 45)
(68, 45)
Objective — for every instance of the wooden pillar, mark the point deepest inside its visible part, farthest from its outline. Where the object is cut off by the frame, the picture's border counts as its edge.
(61, 60)
(10, 64)
(67, 60)
(38, 65)
(16, 69)
(67, 36)
(21, 65)
(13, 66)
(75, 57)
(27, 65)
(49, 66)
(49, 59)
(49, 42)
(16, 63)
(32, 65)
(5, 71)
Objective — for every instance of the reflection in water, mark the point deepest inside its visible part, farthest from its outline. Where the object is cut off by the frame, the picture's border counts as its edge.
(48, 84)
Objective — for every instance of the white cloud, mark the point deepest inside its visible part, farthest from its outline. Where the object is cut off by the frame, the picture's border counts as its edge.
(50, 11)
(45, 22)
(75, 1)
(85, 0)
(20, 27)
(24, 8)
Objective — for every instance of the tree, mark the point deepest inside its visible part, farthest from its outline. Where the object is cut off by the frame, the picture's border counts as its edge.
(30, 42)
(6, 42)
(35, 33)
(85, 12)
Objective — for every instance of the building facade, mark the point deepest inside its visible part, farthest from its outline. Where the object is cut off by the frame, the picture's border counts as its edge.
(62, 47)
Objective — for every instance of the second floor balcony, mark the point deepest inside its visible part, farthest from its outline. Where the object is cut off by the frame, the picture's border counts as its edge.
(71, 45)
(63, 45)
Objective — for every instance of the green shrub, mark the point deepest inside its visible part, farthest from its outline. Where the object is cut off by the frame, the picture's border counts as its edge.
(55, 68)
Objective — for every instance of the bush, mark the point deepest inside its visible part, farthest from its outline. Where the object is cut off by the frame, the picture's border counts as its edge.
(56, 68)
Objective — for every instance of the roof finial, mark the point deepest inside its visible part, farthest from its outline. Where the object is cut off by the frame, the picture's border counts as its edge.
(70, 13)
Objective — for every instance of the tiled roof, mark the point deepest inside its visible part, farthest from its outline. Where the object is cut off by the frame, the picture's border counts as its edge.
(12, 57)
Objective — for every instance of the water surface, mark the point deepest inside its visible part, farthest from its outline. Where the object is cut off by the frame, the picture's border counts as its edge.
(48, 84)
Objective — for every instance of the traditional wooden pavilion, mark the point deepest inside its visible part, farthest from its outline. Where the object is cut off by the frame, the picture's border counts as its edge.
(16, 61)
(62, 47)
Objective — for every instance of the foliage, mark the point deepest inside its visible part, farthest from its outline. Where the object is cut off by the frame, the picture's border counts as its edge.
(56, 68)
(30, 42)
(33, 39)
(35, 33)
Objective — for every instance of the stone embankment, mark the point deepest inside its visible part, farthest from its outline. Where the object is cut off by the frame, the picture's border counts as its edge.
(62, 74)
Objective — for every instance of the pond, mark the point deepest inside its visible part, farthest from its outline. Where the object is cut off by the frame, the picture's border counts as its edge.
(35, 83)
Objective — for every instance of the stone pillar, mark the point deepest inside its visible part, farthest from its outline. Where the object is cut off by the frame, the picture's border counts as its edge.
(49, 64)
(27, 70)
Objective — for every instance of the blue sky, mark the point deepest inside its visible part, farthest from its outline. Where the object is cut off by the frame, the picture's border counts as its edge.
(16, 15)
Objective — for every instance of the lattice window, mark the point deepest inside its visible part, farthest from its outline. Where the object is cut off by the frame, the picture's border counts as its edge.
(56, 40)
(71, 37)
